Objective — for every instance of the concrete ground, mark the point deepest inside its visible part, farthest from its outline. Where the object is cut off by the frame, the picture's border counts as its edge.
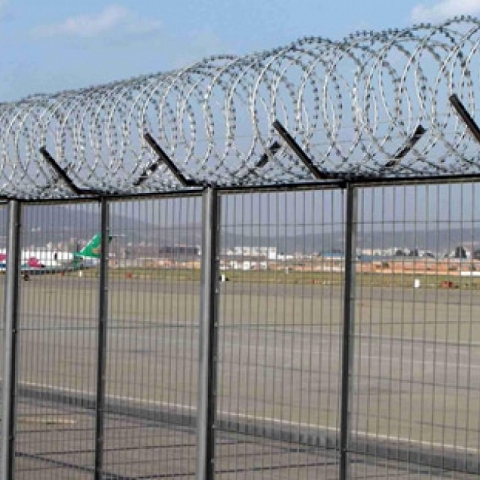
(56, 442)
(415, 379)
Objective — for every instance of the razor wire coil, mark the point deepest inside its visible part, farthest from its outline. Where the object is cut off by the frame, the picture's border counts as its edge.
(351, 105)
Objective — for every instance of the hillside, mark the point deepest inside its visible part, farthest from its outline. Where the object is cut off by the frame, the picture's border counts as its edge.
(72, 224)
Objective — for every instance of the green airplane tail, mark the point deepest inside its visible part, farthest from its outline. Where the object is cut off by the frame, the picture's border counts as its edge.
(93, 249)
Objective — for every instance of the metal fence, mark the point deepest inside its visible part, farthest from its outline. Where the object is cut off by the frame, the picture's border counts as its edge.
(253, 267)
(315, 333)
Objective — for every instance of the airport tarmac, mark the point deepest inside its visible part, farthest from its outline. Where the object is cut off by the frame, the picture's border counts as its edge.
(416, 364)
(63, 447)
(137, 449)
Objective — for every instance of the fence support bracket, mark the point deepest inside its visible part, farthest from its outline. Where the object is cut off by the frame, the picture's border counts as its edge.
(162, 158)
(305, 159)
(410, 143)
(465, 116)
(64, 176)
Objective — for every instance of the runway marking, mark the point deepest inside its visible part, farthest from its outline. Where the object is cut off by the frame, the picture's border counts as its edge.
(377, 337)
(276, 328)
(276, 421)
(296, 351)
(47, 419)
(425, 362)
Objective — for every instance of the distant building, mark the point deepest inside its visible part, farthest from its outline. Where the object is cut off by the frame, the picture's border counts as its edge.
(269, 253)
(459, 252)
(230, 262)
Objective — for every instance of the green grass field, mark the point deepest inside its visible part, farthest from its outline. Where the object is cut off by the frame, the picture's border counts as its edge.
(401, 280)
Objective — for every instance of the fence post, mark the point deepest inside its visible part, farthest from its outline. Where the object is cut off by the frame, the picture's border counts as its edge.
(348, 325)
(10, 330)
(102, 339)
(208, 336)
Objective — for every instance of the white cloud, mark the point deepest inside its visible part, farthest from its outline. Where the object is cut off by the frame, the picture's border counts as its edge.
(445, 9)
(113, 17)
(3, 6)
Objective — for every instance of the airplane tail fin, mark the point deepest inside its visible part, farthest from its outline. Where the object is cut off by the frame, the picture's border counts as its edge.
(93, 249)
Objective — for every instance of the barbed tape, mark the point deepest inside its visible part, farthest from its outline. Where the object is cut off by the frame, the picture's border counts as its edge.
(376, 104)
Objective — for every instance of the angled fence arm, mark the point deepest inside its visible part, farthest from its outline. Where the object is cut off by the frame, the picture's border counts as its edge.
(162, 158)
(305, 159)
(410, 143)
(63, 174)
(465, 116)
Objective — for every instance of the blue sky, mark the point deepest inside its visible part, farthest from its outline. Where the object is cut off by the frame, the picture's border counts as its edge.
(52, 45)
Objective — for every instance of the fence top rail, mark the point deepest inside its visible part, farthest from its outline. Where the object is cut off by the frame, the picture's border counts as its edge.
(394, 104)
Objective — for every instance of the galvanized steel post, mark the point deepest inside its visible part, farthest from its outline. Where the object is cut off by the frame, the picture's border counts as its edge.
(208, 336)
(102, 340)
(10, 330)
(348, 325)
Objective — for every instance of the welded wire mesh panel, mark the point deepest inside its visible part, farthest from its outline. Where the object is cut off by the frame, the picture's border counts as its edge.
(282, 268)
(57, 342)
(416, 383)
(152, 361)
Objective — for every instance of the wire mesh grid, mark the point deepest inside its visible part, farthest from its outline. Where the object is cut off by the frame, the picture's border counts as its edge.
(279, 335)
(414, 385)
(152, 362)
(416, 379)
(57, 342)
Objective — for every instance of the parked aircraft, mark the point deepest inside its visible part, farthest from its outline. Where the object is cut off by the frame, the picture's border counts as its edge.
(37, 262)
